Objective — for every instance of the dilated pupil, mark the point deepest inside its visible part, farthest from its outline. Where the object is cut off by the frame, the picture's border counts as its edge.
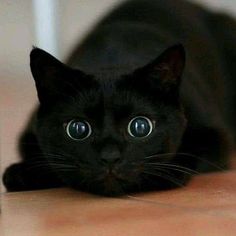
(140, 127)
(78, 129)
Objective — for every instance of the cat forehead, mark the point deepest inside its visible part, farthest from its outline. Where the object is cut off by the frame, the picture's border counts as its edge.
(94, 103)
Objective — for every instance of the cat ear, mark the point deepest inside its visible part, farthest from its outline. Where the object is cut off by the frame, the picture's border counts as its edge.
(166, 70)
(43, 65)
(51, 76)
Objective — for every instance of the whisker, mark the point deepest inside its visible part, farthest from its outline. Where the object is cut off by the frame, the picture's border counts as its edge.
(161, 155)
(64, 169)
(167, 177)
(175, 169)
(38, 163)
(167, 165)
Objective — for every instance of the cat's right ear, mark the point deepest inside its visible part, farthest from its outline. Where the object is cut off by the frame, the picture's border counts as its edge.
(52, 77)
(43, 65)
(46, 71)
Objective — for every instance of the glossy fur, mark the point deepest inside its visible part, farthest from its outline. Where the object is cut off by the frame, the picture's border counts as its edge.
(128, 67)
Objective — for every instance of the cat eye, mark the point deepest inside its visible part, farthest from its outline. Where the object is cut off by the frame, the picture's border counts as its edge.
(140, 127)
(78, 130)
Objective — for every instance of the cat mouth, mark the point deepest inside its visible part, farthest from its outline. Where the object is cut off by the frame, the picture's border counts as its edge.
(111, 174)
(111, 181)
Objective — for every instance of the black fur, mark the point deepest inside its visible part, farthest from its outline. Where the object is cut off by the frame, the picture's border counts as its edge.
(126, 67)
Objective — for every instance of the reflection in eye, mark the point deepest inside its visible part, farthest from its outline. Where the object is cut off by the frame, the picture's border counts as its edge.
(78, 130)
(140, 127)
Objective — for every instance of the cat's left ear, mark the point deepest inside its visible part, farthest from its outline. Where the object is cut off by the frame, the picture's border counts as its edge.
(166, 70)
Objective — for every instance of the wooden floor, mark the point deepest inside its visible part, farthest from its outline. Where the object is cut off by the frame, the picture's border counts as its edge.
(207, 206)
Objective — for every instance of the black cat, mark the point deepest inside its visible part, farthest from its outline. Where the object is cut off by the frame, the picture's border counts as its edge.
(123, 118)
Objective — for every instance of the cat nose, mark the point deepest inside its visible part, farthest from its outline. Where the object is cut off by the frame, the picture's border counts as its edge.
(109, 157)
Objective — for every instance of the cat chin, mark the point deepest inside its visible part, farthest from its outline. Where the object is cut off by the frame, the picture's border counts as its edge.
(109, 186)
(108, 189)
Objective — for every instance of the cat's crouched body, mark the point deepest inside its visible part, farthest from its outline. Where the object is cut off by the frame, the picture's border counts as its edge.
(128, 118)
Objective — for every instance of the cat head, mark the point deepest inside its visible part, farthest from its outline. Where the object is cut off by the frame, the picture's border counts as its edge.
(99, 133)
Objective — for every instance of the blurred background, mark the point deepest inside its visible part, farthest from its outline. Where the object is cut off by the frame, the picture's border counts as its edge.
(56, 26)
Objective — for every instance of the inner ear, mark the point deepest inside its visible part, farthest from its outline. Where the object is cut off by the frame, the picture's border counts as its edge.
(172, 59)
(166, 68)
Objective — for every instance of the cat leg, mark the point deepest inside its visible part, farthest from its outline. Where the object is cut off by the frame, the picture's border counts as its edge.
(13, 178)
(18, 177)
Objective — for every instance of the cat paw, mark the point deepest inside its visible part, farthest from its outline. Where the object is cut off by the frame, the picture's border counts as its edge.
(13, 178)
